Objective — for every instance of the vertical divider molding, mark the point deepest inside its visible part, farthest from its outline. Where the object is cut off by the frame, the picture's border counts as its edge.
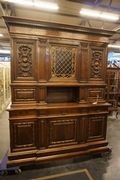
(57, 72)
(42, 95)
(82, 95)
(42, 61)
(84, 62)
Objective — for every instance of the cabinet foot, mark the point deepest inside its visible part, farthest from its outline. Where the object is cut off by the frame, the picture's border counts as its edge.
(104, 154)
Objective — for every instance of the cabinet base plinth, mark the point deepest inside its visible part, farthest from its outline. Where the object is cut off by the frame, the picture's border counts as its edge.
(44, 156)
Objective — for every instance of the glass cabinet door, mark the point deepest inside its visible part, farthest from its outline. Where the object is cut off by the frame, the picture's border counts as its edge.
(112, 88)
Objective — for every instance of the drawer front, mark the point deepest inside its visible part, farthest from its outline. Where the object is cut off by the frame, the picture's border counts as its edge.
(24, 95)
(64, 111)
(24, 113)
(97, 109)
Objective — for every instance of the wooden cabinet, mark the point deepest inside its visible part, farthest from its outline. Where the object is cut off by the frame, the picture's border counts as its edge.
(57, 72)
(112, 90)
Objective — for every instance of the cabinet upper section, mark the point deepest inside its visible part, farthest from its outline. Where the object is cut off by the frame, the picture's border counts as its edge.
(48, 52)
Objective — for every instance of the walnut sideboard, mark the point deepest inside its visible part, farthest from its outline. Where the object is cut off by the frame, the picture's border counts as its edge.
(58, 74)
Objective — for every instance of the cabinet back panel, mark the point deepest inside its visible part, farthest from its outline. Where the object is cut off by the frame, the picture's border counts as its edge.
(59, 94)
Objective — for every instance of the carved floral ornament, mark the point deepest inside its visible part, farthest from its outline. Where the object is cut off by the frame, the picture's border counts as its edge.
(96, 64)
(24, 61)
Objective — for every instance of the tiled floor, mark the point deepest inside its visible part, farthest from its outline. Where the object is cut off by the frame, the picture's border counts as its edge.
(100, 168)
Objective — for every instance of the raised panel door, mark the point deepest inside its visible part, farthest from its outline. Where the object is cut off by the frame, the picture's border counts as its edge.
(23, 134)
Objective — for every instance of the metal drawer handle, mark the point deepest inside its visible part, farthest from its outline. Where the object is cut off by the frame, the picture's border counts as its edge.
(64, 113)
(98, 110)
(25, 96)
(42, 112)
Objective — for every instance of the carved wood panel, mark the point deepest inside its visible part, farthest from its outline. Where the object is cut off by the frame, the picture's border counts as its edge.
(96, 128)
(24, 60)
(63, 131)
(97, 64)
(24, 135)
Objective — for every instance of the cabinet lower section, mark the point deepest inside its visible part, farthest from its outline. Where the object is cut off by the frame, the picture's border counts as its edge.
(42, 135)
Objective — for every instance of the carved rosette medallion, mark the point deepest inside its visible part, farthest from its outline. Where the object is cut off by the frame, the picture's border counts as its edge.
(96, 64)
(24, 62)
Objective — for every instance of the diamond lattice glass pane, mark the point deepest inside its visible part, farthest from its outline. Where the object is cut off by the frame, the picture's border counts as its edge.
(63, 62)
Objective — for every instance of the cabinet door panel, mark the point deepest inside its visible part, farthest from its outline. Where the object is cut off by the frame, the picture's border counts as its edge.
(63, 131)
(23, 135)
(63, 61)
(97, 128)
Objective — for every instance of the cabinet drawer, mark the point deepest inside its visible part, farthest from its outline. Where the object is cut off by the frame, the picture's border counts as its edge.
(65, 111)
(22, 113)
(97, 109)
(25, 95)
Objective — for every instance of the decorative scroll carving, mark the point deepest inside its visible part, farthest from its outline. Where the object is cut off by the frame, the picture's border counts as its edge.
(96, 64)
(25, 62)
(63, 62)
(29, 126)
